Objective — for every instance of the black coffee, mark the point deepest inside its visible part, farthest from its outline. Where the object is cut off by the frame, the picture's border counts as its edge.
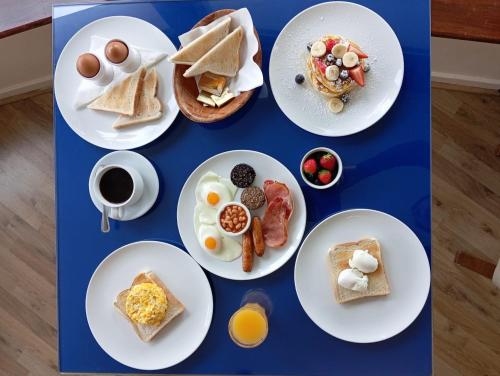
(116, 185)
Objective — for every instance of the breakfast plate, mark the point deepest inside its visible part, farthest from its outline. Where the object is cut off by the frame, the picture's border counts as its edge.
(95, 126)
(378, 317)
(180, 273)
(265, 168)
(300, 100)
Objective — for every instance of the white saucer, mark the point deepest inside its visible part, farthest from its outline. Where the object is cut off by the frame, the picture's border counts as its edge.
(148, 173)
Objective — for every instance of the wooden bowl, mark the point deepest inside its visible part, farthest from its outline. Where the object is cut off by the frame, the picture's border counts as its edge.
(186, 91)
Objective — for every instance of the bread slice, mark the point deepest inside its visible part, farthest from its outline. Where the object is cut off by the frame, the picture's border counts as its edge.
(223, 59)
(148, 106)
(147, 332)
(339, 256)
(122, 97)
(191, 53)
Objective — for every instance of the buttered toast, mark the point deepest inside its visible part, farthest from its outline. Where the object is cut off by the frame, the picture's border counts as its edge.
(147, 332)
(338, 257)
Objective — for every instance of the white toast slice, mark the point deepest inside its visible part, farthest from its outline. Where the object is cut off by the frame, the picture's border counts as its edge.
(147, 332)
(121, 98)
(339, 256)
(148, 107)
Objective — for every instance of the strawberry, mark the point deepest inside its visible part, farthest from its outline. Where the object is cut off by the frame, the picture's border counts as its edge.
(321, 65)
(357, 51)
(310, 166)
(328, 161)
(358, 75)
(325, 176)
(329, 45)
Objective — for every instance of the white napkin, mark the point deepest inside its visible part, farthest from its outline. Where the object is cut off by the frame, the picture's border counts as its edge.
(88, 90)
(249, 76)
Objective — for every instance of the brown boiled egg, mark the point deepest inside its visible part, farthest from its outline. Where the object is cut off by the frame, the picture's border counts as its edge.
(116, 51)
(88, 65)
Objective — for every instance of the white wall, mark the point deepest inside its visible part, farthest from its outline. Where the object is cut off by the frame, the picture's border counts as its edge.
(28, 66)
(26, 61)
(466, 63)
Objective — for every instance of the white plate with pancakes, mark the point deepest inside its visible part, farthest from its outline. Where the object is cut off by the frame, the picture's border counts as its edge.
(96, 126)
(185, 280)
(266, 168)
(374, 318)
(306, 107)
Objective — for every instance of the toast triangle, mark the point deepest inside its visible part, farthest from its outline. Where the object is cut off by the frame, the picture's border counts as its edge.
(122, 97)
(148, 107)
(193, 51)
(147, 332)
(222, 59)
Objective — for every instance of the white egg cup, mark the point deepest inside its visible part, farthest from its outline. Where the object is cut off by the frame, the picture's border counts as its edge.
(105, 74)
(131, 62)
(243, 230)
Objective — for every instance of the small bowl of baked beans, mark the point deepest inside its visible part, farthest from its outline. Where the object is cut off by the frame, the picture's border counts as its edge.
(233, 219)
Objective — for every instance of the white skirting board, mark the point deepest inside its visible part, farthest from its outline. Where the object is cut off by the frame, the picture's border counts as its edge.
(44, 82)
(466, 63)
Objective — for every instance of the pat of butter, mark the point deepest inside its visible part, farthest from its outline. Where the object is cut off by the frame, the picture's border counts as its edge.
(212, 83)
(223, 99)
(205, 99)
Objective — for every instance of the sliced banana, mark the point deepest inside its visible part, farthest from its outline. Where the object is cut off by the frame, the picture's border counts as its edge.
(350, 59)
(318, 49)
(335, 105)
(332, 72)
(339, 50)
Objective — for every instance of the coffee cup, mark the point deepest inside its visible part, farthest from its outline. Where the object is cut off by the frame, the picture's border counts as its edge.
(117, 186)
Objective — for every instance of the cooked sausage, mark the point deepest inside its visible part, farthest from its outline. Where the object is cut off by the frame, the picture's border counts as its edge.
(258, 238)
(247, 251)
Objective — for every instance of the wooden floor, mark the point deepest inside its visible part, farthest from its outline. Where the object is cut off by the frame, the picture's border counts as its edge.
(466, 188)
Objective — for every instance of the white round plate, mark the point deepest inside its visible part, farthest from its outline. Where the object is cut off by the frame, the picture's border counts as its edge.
(144, 168)
(307, 108)
(370, 319)
(265, 167)
(180, 273)
(95, 126)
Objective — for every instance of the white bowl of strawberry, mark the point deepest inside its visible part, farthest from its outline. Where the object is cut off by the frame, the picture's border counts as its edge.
(321, 168)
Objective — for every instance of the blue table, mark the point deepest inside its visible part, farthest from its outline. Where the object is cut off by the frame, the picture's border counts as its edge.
(387, 168)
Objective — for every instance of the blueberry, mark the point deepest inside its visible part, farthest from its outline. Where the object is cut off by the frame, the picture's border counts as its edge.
(365, 66)
(299, 78)
(345, 97)
(338, 62)
(344, 74)
(309, 45)
(330, 58)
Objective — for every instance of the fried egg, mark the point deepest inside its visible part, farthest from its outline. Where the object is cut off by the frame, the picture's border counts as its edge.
(210, 239)
(213, 190)
(222, 247)
(146, 303)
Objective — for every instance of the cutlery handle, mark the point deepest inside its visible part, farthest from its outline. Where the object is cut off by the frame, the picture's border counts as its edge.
(105, 219)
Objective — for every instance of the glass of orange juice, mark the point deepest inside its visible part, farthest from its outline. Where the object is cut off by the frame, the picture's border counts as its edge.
(248, 326)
